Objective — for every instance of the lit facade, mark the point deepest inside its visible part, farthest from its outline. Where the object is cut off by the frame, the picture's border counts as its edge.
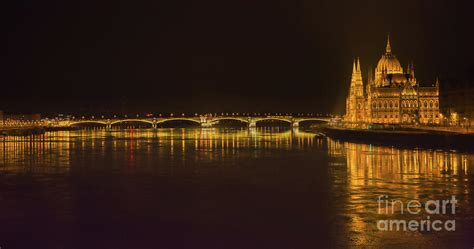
(392, 95)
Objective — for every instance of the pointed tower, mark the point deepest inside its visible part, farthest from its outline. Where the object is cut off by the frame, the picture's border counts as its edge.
(357, 81)
(355, 103)
(354, 72)
(368, 94)
(412, 75)
(437, 86)
(388, 48)
(370, 81)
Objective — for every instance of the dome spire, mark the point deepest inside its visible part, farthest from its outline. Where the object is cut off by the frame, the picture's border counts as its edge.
(388, 49)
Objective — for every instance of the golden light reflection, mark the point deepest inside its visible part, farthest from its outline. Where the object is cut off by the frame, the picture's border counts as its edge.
(366, 171)
(60, 151)
(358, 172)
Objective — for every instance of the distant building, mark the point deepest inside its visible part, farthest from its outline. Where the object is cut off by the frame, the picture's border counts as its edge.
(392, 95)
(457, 101)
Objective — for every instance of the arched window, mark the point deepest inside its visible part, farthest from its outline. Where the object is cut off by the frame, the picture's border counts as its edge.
(426, 104)
(385, 104)
(396, 104)
(380, 105)
(390, 105)
(436, 104)
(431, 104)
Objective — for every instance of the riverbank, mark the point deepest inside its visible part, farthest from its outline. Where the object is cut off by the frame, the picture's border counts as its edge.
(403, 137)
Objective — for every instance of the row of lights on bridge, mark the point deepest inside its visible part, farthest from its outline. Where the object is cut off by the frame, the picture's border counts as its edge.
(216, 114)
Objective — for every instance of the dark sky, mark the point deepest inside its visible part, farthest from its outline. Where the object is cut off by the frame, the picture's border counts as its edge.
(217, 55)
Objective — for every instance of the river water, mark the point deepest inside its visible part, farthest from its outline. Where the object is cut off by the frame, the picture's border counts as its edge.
(224, 188)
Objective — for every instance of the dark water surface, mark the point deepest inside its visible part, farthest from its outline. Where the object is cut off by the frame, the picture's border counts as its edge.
(221, 188)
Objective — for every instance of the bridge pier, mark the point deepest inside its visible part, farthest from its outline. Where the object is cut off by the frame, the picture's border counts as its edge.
(206, 124)
(252, 124)
(108, 124)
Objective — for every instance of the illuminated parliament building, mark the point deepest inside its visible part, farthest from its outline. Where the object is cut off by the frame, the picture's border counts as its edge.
(392, 95)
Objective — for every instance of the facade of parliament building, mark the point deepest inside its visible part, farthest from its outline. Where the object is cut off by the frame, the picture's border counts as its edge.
(392, 95)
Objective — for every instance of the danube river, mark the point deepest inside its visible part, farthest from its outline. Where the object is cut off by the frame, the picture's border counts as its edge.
(224, 188)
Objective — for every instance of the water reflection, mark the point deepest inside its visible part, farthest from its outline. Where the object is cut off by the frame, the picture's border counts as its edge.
(54, 152)
(282, 169)
(362, 172)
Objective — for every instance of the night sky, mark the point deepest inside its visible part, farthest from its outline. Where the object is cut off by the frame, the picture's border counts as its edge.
(217, 55)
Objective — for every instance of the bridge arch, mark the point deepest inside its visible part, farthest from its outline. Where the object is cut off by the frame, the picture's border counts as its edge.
(87, 122)
(312, 119)
(229, 118)
(131, 120)
(271, 118)
(297, 122)
(178, 119)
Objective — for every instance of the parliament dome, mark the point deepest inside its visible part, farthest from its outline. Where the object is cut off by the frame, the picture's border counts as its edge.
(389, 62)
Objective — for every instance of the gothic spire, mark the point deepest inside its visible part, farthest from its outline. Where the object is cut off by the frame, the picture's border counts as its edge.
(354, 69)
(358, 64)
(369, 76)
(388, 49)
